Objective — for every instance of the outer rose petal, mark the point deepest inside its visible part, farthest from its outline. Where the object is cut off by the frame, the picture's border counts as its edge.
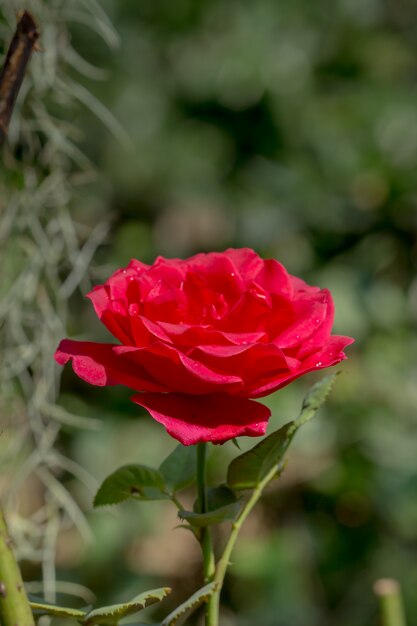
(100, 364)
(115, 321)
(330, 355)
(158, 367)
(311, 314)
(214, 417)
(323, 332)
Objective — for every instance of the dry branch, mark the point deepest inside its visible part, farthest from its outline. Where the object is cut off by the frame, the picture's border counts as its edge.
(13, 71)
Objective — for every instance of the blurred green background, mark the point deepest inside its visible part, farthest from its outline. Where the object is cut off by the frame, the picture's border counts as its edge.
(290, 127)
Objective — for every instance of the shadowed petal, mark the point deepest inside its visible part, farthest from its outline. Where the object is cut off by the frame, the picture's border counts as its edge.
(214, 417)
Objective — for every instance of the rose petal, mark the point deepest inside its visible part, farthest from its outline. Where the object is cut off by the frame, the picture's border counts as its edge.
(254, 363)
(322, 335)
(300, 286)
(164, 275)
(216, 417)
(308, 316)
(247, 263)
(146, 331)
(274, 278)
(101, 364)
(250, 313)
(188, 335)
(212, 286)
(178, 372)
(138, 266)
(106, 310)
(118, 284)
(217, 269)
(330, 355)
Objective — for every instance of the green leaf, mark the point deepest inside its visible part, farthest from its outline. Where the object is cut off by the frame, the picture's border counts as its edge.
(109, 615)
(179, 468)
(193, 602)
(58, 611)
(131, 481)
(227, 513)
(315, 398)
(249, 469)
(218, 497)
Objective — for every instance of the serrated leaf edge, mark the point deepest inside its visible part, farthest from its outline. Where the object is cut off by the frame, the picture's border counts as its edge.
(58, 611)
(193, 602)
(119, 611)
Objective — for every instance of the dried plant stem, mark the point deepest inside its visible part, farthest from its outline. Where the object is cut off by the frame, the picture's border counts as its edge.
(14, 605)
(14, 68)
(389, 594)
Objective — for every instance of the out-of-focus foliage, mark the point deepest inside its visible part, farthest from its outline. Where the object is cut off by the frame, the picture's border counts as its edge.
(290, 127)
(45, 255)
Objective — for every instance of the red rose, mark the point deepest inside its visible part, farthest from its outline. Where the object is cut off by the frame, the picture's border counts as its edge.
(200, 338)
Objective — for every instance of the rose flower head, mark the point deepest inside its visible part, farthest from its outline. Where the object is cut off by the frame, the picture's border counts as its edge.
(201, 338)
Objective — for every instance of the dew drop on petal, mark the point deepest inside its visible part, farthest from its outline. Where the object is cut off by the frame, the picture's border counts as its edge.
(318, 364)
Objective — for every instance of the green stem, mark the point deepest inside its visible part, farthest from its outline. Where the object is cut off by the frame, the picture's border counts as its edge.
(222, 565)
(175, 500)
(201, 477)
(209, 563)
(389, 593)
(14, 605)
